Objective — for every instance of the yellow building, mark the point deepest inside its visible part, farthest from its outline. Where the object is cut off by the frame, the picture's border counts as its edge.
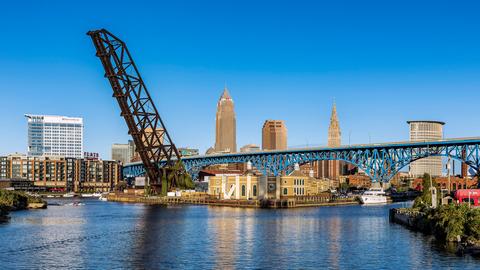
(253, 187)
(231, 186)
(299, 184)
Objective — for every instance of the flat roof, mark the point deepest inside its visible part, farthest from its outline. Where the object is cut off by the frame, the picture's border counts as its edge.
(426, 121)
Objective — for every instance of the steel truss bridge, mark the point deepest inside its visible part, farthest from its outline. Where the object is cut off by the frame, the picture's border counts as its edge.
(381, 162)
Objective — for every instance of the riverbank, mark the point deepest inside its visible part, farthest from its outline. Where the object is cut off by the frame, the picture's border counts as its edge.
(294, 202)
(458, 226)
(16, 200)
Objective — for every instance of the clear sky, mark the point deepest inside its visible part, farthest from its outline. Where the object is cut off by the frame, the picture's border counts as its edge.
(384, 62)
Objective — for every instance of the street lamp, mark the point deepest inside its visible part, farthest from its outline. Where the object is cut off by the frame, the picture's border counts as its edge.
(433, 192)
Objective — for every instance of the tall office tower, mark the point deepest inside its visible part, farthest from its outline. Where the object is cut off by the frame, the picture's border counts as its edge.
(55, 136)
(123, 152)
(426, 131)
(226, 125)
(274, 135)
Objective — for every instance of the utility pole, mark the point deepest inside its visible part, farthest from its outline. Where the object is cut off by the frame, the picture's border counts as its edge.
(433, 192)
(448, 172)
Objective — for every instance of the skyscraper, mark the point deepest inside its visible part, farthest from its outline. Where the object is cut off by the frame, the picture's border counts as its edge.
(274, 135)
(123, 152)
(55, 136)
(426, 131)
(226, 125)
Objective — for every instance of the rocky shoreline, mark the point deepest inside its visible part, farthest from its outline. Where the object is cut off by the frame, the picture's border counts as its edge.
(460, 235)
(16, 200)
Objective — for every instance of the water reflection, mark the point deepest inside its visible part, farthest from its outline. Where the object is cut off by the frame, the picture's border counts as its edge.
(127, 236)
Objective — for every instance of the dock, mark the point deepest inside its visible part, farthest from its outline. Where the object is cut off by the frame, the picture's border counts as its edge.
(289, 202)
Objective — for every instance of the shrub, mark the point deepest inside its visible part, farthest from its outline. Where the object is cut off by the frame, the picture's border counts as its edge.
(450, 221)
(16, 200)
(13, 199)
(472, 226)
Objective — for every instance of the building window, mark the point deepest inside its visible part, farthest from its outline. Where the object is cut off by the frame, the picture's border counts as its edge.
(285, 191)
(254, 190)
(243, 190)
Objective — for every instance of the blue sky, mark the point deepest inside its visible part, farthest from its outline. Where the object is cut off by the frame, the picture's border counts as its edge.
(384, 62)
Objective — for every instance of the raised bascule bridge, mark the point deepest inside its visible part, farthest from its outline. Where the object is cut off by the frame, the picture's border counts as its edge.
(167, 169)
(381, 162)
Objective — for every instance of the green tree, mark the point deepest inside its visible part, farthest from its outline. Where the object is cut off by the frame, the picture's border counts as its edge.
(425, 200)
(344, 186)
(121, 186)
(450, 221)
(472, 226)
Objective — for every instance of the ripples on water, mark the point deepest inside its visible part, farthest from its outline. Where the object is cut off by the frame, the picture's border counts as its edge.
(104, 235)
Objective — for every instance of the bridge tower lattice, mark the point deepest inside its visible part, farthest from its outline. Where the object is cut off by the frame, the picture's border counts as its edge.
(160, 157)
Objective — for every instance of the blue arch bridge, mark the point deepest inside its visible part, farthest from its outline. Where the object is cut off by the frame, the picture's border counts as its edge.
(381, 162)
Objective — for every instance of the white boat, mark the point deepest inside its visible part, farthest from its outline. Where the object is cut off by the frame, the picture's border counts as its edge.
(87, 195)
(97, 194)
(75, 204)
(69, 195)
(373, 196)
(103, 197)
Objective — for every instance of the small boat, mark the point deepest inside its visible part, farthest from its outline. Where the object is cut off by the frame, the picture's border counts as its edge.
(69, 195)
(75, 204)
(103, 197)
(373, 196)
(97, 194)
(87, 195)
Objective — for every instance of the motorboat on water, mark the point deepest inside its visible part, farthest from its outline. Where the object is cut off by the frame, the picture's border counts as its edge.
(103, 197)
(97, 194)
(87, 195)
(69, 195)
(374, 196)
(75, 204)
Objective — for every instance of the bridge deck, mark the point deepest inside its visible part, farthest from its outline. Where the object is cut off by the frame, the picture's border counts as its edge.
(404, 144)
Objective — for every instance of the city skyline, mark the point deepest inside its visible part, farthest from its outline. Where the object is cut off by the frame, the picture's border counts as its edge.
(382, 78)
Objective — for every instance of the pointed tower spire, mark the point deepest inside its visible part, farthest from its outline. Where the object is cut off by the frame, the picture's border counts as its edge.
(334, 117)
(334, 133)
(225, 94)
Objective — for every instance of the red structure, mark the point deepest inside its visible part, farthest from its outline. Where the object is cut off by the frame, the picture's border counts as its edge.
(471, 196)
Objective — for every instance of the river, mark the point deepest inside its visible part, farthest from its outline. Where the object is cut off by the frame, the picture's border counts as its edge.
(107, 235)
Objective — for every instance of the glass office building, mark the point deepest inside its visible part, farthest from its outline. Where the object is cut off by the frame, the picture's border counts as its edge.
(55, 136)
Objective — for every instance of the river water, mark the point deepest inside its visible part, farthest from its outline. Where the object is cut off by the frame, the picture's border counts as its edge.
(107, 235)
